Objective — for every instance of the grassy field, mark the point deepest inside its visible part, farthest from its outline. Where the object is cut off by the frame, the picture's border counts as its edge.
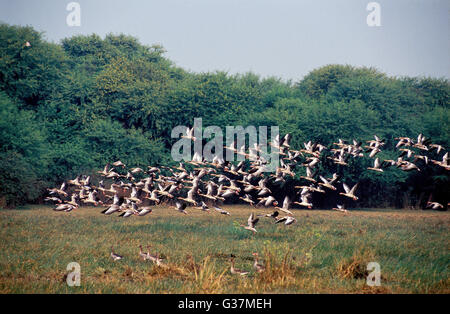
(324, 252)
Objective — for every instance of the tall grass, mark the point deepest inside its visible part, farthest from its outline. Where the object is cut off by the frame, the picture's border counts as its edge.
(324, 252)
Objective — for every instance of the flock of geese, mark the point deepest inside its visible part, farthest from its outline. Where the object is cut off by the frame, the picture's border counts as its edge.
(208, 184)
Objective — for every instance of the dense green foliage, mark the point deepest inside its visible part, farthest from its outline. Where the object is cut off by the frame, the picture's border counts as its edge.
(71, 107)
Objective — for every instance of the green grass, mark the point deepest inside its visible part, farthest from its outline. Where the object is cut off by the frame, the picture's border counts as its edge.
(324, 252)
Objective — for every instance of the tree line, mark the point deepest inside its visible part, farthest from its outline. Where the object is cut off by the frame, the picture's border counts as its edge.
(71, 107)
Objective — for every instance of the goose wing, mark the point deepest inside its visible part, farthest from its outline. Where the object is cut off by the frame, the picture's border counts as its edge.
(346, 188)
(353, 190)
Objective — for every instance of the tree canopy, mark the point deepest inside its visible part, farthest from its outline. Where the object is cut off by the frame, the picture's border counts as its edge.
(71, 107)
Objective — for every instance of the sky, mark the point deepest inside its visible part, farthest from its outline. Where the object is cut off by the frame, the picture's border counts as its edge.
(281, 38)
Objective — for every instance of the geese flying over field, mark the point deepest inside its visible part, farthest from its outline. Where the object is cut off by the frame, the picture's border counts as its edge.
(133, 191)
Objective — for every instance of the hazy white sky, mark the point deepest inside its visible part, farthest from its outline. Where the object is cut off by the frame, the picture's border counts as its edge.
(284, 38)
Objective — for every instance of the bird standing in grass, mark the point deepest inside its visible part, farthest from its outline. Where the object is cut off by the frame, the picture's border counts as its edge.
(236, 271)
(115, 256)
(257, 266)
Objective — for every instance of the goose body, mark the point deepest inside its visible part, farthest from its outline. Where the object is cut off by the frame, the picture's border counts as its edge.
(236, 271)
(256, 265)
(115, 256)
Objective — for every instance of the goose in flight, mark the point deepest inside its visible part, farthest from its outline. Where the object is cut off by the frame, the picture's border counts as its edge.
(421, 157)
(328, 184)
(377, 166)
(232, 146)
(311, 162)
(60, 191)
(190, 196)
(65, 207)
(92, 198)
(251, 223)
(204, 207)
(305, 200)
(444, 163)
(267, 201)
(134, 196)
(340, 208)
(222, 211)
(422, 142)
(309, 174)
(229, 192)
(153, 196)
(408, 166)
(136, 170)
(129, 212)
(248, 199)
(118, 164)
(286, 205)
(181, 207)
(273, 215)
(373, 150)
(406, 152)
(53, 199)
(189, 134)
(434, 205)
(75, 181)
(106, 170)
(210, 191)
(288, 220)
(377, 142)
(350, 192)
(111, 209)
(144, 211)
